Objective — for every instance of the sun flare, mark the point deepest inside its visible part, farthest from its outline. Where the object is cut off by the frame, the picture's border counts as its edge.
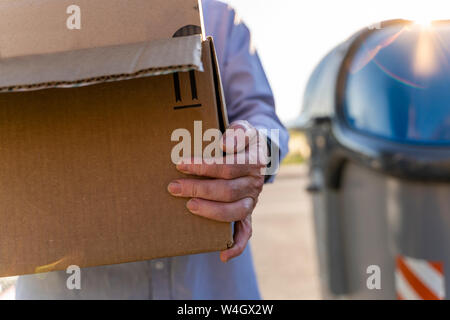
(424, 22)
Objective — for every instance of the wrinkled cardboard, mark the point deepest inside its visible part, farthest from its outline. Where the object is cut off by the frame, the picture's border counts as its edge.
(85, 161)
(87, 66)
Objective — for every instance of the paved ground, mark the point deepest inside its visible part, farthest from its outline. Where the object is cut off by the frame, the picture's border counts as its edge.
(283, 241)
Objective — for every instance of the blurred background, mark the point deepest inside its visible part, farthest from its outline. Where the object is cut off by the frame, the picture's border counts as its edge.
(292, 36)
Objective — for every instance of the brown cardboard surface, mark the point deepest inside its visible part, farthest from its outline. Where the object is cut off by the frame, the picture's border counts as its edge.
(31, 27)
(84, 172)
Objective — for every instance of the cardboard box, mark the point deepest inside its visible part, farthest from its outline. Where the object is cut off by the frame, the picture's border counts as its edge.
(85, 132)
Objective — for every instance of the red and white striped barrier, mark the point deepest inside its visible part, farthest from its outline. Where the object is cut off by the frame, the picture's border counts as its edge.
(419, 279)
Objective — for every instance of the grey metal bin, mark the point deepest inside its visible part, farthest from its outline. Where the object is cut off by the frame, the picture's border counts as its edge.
(377, 116)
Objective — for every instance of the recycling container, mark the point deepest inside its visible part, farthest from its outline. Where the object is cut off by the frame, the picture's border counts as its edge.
(377, 116)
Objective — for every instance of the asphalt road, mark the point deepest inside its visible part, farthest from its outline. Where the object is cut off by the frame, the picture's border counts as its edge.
(283, 241)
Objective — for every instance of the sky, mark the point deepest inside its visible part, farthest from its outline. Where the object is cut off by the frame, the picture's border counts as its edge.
(292, 36)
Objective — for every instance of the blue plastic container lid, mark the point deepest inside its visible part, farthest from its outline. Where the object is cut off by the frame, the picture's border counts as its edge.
(398, 85)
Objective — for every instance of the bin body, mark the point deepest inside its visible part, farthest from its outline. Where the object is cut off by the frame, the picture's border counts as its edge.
(380, 183)
(384, 218)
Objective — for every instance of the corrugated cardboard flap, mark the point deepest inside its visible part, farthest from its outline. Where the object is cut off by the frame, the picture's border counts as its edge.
(94, 65)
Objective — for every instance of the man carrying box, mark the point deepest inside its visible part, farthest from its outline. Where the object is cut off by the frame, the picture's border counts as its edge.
(228, 193)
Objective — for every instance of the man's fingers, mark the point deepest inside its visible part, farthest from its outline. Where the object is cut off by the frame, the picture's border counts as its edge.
(243, 233)
(238, 136)
(218, 190)
(219, 171)
(222, 212)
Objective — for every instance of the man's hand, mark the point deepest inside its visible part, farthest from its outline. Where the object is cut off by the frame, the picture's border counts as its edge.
(232, 190)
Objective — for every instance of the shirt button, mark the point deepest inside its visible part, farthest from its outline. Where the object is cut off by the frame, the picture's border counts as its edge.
(159, 265)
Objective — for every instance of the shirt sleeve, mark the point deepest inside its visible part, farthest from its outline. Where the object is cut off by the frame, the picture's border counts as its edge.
(247, 90)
